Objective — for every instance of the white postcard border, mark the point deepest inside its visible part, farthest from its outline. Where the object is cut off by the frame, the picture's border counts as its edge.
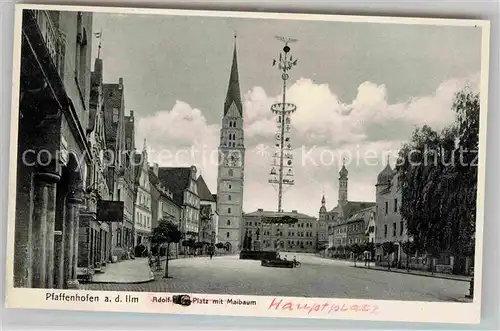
(345, 309)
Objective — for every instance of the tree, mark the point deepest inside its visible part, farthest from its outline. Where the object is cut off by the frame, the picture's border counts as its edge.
(198, 245)
(356, 250)
(341, 250)
(408, 248)
(388, 248)
(166, 232)
(219, 245)
(438, 181)
(370, 247)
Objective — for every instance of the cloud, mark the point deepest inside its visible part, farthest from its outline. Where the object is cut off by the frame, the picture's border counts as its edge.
(181, 137)
(324, 132)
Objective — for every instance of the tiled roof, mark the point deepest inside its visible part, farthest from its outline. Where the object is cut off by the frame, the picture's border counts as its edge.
(362, 214)
(351, 207)
(176, 179)
(203, 190)
(266, 213)
(154, 180)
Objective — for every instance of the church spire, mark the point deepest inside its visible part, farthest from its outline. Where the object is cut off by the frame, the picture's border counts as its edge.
(233, 89)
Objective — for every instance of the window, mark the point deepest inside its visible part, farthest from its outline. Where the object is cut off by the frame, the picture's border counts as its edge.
(385, 230)
(230, 172)
(227, 234)
(229, 197)
(229, 210)
(395, 205)
(228, 222)
(386, 207)
(229, 186)
(401, 228)
(394, 229)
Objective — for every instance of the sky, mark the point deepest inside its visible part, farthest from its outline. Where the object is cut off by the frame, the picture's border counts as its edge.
(360, 90)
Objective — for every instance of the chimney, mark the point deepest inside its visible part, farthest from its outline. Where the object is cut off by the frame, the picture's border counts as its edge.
(294, 211)
(120, 83)
(131, 116)
(155, 169)
(260, 209)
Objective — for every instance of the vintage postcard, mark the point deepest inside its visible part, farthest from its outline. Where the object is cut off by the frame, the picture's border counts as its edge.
(247, 164)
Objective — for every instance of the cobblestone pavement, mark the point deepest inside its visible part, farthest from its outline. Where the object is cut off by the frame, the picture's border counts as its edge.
(316, 277)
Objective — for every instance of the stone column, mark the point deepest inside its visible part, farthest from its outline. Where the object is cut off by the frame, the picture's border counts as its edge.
(50, 239)
(43, 224)
(76, 236)
(59, 259)
(71, 239)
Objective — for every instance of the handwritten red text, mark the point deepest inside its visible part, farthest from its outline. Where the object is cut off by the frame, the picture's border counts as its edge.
(326, 307)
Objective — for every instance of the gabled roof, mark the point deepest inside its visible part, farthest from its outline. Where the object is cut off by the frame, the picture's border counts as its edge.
(203, 190)
(233, 89)
(362, 214)
(266, 213)
(155, 182)
(176, 179)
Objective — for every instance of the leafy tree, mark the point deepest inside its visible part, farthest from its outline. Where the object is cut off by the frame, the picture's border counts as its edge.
(341, 250)
(219, 245)
(166, 233)
(370, 247)
(409, 248)
(198, 245)
(356, 250)
(388, 248)
(438, 181)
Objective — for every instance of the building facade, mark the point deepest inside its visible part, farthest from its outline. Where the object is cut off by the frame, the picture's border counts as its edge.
(142, 198)
(230, 178)
(337, 221)
(182, 183)
(390, 226)
(298, 237)
(94, 247)
(119, 140)
(208, 213)
(357, 225)
(53, 116)
(163, 205)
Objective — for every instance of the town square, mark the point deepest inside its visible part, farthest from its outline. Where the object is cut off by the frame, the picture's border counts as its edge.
(247, 157)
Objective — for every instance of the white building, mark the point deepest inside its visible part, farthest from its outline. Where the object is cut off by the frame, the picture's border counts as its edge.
(142, 206)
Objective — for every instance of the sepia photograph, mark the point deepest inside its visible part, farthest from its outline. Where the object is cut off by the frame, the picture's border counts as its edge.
(215, 153)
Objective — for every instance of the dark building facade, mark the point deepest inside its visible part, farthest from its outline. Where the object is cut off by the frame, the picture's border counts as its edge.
(94, 242)
(119, 130)
(53, 152)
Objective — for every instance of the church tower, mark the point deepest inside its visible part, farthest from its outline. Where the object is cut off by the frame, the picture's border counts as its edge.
(343, 185)
(230, 178)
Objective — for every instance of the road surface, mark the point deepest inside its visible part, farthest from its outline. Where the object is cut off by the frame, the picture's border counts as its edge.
(317, 277)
